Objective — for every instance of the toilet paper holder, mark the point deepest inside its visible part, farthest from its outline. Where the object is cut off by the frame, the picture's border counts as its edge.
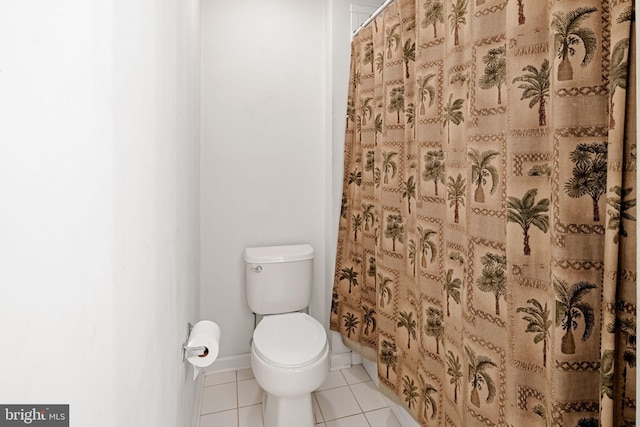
(200, 351)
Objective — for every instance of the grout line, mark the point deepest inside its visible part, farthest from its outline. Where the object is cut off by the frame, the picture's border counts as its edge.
(315, 398)
(356, 399)
(358, 403)
(237, 401)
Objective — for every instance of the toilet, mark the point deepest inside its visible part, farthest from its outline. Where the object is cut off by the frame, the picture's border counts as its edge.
(289, 349)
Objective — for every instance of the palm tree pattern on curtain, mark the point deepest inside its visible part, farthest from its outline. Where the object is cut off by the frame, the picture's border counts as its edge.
(486, 254)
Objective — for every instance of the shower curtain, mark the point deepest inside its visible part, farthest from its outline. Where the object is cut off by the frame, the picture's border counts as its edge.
(487, 245)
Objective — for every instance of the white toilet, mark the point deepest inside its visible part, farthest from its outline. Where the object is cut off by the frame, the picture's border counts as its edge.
(289, 350)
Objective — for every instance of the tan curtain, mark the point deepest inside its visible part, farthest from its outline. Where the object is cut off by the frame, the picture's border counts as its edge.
(486, 255)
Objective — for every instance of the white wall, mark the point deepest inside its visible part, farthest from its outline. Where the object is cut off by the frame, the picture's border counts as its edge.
(99, 207)
(274, 88)
(264, 147)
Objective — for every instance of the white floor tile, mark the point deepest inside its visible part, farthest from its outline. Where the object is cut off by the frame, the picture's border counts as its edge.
(220, 378)
(220, 419)
(382, 418)
(337, 403)
(245, 374)
(348, 398)
(353, 421)
(368, 396)
(219, 398)
(335, 379)
(355, 374)
(250, 416)
(249, 393)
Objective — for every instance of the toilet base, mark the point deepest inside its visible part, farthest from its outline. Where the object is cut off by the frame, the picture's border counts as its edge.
(287, 411)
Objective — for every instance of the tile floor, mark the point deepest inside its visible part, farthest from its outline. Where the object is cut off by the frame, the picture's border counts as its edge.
(348, 398)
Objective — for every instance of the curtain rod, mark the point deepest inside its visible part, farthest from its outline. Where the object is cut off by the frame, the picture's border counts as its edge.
(373, 16)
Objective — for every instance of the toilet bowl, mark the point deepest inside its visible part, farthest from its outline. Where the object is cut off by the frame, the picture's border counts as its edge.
(290, 359)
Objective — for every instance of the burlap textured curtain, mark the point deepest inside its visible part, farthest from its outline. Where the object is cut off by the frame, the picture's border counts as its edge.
(487, 244)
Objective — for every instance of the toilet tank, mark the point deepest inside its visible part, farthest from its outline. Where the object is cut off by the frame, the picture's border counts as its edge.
(279, 278)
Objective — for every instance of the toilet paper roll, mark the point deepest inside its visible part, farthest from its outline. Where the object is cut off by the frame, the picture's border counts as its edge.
(204, 333)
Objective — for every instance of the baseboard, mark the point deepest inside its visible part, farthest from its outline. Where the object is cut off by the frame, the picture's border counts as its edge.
(356, 359)
(243, 361)
(340, 361)
(372, 370)
(229, 363)
(401, 414)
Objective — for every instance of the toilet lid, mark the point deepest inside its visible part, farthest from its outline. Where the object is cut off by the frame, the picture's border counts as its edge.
(290, 339)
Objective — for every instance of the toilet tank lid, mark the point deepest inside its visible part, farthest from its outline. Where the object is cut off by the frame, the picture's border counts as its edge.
(274, 254)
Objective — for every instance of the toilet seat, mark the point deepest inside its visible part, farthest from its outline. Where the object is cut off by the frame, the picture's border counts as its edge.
(290, 340)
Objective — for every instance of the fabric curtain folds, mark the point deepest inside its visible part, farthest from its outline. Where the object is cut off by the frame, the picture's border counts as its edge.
(487, 244)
